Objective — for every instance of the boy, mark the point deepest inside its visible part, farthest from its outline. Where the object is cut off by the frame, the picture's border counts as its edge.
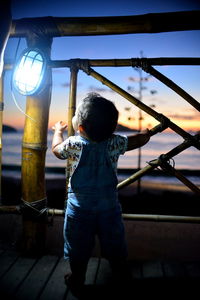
(92, 206)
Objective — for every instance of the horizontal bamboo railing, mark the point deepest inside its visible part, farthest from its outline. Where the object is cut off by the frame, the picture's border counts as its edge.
(123, 62)
(129, 62)
(85, 26)
(134, 217)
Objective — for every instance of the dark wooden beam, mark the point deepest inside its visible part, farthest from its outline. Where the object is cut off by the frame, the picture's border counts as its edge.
(83, 26)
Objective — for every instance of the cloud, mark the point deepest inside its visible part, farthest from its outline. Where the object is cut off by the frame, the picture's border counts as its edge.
(59, 71)
(182, 116)
(137, 78)
(93, 88)
(65, 84)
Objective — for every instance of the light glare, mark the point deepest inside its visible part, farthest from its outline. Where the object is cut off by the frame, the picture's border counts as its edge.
(29, 72)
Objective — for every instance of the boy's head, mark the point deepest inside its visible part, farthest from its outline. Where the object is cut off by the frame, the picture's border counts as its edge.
(97, 116)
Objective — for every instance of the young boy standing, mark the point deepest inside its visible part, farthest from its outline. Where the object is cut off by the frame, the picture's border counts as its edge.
(92, 206)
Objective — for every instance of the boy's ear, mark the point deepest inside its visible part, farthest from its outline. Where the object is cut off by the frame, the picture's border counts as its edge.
(80, 128)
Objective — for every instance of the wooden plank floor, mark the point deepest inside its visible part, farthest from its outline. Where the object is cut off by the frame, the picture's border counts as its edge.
(43, 279)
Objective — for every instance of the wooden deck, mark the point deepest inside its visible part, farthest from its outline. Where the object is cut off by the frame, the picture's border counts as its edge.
(27, 278)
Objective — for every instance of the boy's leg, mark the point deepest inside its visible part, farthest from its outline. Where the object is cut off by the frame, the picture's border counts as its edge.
(78, 271)
(113, 244)
(79, 234)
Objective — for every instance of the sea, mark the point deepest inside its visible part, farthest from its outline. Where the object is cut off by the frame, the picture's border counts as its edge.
(161, 143)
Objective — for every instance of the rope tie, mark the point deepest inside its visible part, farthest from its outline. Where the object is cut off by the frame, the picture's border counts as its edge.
(145, 65)
(135, 62)
(141, 63)
(34, 209)
(84, 65)
(166, 164)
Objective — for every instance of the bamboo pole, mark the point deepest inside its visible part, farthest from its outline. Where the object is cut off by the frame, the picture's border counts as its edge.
(141, 105)
(10, 209)
(137, 175)
(133, 62)
(71, 113)
(72, 98)
(173, 86)
(161, 218)
(1, 125)
(83, 26)
(155, 163)
(34, 147)
(5, 25)
(132, 217)
(128, 62)
(183, 179)
(142, 217)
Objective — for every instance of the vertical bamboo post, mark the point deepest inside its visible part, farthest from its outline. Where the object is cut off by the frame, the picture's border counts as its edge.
(72, 99)
(1, 121)
(139, 129)
(71, 111)
(5, 25)
(34, 147)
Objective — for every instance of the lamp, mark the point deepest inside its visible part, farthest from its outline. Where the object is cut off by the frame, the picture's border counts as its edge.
(29, 71)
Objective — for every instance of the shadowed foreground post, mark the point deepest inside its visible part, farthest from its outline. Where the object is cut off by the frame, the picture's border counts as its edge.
(34, 147)
(5, 25)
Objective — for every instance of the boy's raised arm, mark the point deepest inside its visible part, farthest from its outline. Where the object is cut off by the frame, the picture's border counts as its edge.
(138, 140)
(58, 128)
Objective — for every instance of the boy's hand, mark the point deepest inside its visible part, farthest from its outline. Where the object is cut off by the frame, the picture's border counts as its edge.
(59, 127)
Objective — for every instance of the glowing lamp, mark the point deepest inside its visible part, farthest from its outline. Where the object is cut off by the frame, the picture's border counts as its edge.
(29, 72)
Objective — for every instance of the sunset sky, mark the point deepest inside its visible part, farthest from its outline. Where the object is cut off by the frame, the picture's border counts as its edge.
(155, 94)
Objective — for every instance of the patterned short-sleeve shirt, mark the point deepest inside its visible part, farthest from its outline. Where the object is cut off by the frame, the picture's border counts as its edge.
(71, 149)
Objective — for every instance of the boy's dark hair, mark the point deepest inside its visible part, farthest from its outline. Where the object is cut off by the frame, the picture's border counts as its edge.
(98, 116)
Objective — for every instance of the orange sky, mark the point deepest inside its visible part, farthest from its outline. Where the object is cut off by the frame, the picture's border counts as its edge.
(184, 116)
(147, 122)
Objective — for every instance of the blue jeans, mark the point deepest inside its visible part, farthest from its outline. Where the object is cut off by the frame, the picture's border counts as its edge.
(81, 227)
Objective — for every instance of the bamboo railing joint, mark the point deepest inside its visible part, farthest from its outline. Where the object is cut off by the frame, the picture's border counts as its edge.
(164, 163)
(84, 65)
(34, 209)
(165, 122)
(73, 65)
(142, 63)
(194, 141)
(135, 62)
